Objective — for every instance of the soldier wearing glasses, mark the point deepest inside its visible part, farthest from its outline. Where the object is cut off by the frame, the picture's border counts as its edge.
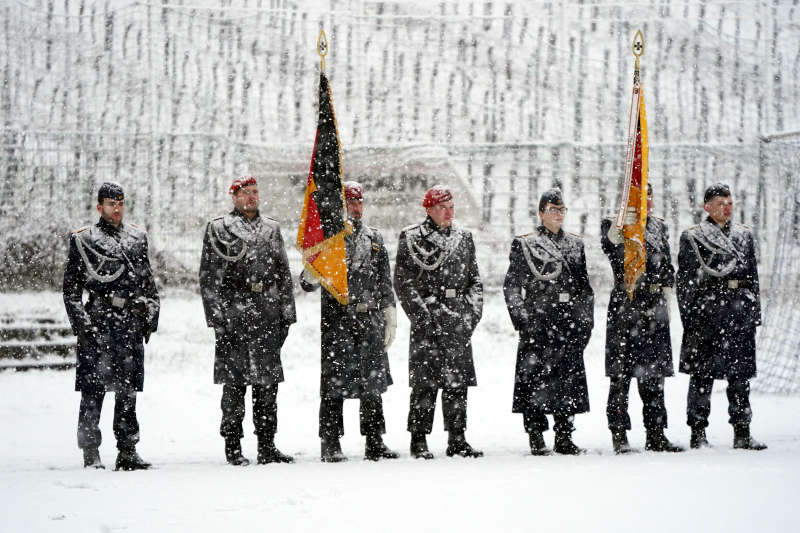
(437, 282)
(637, 332)
(550, 301)
(247, 295)
(355, 338)
(718, 296)
(109, 260)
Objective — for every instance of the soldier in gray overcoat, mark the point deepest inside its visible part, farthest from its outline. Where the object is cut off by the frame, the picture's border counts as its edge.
(551, 302)
(720, 305)
(638, 343)
(248, 299)
(437, 282)
(110, 262)
(355, 338)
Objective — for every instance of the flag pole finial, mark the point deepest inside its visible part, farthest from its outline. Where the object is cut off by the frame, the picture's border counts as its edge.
(638, 48)
(322, 48)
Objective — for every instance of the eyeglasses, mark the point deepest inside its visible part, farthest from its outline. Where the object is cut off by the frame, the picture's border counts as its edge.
(557, 210)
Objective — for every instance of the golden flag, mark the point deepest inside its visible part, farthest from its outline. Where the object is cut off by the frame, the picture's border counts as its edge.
(634, 184)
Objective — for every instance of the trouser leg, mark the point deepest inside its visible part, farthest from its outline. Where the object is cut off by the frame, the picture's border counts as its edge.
(232, 411)
(534, 420)
(654, 412)
(420, 412)
(371, 416)
(454, 409)
(698, 401)
(562, 423)
(265, 410)
(739, 411)
(331, 421)
(617, 406)
(89, 435)
(126, 426)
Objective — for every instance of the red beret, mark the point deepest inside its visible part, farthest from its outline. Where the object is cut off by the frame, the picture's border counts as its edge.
(436, 195)
(238, 183)
(353, 190)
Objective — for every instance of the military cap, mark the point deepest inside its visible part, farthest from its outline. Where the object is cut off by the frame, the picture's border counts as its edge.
(436, 195)
(238, 183)
(353, 190)
(550, 196)
(110, 189)
(716, 189)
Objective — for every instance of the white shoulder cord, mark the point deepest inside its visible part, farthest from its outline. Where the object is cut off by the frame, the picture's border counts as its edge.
(413, 249)
(214, 238)
(91, 271)
(716, 273)
(535, 271)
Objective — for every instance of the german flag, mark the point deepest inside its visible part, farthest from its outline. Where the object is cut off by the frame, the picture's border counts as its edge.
(320, 237)
(634, 189)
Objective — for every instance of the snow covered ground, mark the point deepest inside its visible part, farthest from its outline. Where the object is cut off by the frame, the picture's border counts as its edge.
(43, 486)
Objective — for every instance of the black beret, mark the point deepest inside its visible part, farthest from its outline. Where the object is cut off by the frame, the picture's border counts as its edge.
(716, 189)
(110, 189)
(551, 196)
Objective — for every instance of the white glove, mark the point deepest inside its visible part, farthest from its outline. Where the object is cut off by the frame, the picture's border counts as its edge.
(390, 321)
(631, 216)
(668, 298)
(306, 276)
(615, 235)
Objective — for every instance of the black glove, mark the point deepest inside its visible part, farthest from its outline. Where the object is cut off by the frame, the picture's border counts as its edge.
(87, 336)
(428, 322)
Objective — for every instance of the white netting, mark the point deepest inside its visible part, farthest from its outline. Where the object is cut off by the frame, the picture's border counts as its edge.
(779, 338)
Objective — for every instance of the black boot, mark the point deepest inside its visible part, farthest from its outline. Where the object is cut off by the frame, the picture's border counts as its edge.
(128, 460)
(536, 441)
(331, 451)
(375, 449)
(91, 458)
(564, 445)
(233, 452)
(743, 441)
(658, 442)
(458, 445)
(268, 453)
(619, 440)
(419, 447)
(698, 439)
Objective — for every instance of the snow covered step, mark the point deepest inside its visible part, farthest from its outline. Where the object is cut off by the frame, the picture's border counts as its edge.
(15, 349)
(28, 331)
(47, 361)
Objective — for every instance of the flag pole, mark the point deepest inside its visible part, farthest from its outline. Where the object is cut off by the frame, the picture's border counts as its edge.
(637, 48)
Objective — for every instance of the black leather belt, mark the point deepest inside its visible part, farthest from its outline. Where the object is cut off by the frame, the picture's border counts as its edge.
(114, 301)
(363, 307)
(728, 284)
(434, 296)
(257, 287)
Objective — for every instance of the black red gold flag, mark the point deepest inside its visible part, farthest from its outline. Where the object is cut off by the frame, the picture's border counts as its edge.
(320, 237)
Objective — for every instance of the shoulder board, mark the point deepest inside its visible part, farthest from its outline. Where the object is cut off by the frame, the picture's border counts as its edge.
(575, 235)
(268, 218)
(219, 217)
(745, 226)
(693, 227)
(375, 230)
(412, 226)
(657, 218)
(524, 235)
(81, 229)
(136, 226)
